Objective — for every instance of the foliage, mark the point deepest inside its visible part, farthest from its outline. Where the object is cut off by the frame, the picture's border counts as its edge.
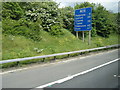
(93, 31)
(12, 10)
(43, 14)
(29, 18)
(85, 5)
(20, 47)
(22, 27)
(41, 28)
(117, 18)
(56, 30)
(67, 15)
(103, 21)
(47, 13)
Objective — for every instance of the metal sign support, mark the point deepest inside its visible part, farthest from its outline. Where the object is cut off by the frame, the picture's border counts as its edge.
(89, 41)
(77, 34)
(83, 36)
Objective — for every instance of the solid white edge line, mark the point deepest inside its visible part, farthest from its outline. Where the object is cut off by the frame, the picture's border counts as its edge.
(75, 75)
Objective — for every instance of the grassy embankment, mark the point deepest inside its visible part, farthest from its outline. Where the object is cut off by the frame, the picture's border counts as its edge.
(19, 46)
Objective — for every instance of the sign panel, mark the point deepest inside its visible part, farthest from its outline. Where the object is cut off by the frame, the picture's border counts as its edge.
(83, 19)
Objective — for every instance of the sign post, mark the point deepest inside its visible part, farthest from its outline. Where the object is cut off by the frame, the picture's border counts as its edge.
(89, 41)
(77, 34)
(83, 35)
(83, 21)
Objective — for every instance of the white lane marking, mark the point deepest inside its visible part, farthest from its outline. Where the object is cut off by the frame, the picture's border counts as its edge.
(116, 76)
(12, 71)
(75, 75)
(65, 79)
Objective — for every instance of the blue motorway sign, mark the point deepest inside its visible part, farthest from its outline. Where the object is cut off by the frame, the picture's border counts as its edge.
(83, 19)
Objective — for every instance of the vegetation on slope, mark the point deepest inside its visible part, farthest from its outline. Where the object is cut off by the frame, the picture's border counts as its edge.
(41, 28)
(20, 46)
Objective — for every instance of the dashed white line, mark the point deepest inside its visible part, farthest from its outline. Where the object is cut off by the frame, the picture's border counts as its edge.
(75, 75)
(116, 76)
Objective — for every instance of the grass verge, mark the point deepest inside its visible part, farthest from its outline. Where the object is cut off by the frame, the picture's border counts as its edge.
(20, 47)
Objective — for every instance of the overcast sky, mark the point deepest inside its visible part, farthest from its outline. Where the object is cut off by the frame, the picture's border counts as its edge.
(111, 5)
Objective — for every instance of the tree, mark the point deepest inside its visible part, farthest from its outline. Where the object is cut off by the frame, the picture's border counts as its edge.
(46, 13)
(103, 21)
(29, 18)
(12, 10)
(67, 15)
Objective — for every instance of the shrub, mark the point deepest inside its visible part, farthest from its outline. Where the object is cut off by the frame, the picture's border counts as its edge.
(22, 27)
(56, 30)
(93, 32)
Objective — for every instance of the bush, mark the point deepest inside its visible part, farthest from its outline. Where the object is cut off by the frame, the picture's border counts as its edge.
(46, 12)
(93, 32)
(22, 27)
(56, 30)
(12, 10)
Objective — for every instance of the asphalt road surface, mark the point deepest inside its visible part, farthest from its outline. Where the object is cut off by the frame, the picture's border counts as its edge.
(104, 77)
(42, 75)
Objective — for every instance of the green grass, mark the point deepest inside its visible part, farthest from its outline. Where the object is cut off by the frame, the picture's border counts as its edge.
(20, 47)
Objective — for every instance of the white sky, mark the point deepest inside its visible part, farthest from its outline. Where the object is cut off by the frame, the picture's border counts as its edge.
(108, 4)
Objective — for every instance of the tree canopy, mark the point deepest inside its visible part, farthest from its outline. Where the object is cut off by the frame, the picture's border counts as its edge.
(29, 18)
